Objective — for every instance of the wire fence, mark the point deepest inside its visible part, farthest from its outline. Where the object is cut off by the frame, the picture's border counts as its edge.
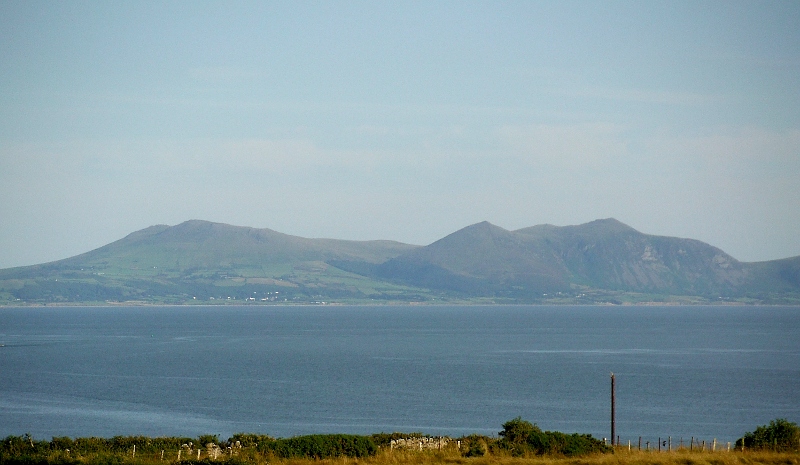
(670, 444)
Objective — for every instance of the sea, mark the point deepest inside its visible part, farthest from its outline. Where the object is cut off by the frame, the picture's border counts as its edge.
(681, 372)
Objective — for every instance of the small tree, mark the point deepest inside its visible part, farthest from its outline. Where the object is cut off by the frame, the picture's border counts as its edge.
(517, 436)
(521, 437)
(476, 445)
(518, 431)
(780, 434)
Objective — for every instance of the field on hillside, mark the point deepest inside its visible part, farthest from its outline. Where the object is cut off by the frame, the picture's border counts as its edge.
(379, 449)
(448, 456)
(618, 458)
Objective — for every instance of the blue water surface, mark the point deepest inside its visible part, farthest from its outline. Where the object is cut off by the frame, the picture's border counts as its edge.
(707, 372)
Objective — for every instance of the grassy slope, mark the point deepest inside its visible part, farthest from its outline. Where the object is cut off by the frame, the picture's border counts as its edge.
(481, 259)
(204, 260)
(449, 455)
(603, 261)
(600, 260)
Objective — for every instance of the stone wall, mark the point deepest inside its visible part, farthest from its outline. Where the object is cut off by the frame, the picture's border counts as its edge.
(421, 443)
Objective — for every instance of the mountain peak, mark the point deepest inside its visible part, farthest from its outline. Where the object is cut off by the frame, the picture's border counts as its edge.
(483, 229)
(190, 223)
(603, 226)
(609, 223)
(484, 226)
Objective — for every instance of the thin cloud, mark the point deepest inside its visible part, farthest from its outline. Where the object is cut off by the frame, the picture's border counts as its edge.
(646, 96)
(751, 152)
(222, 74)
(575, 147)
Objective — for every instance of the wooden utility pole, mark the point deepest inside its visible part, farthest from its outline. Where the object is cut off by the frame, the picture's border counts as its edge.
(613, 411)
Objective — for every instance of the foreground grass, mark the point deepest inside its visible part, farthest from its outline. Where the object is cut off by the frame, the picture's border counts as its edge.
(618, 458)
(448, 456)
(519, 443)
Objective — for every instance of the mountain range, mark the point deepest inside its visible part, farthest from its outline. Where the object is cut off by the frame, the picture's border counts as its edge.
(603, 261)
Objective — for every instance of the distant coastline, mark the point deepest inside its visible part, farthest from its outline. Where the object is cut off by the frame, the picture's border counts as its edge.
(603, 262)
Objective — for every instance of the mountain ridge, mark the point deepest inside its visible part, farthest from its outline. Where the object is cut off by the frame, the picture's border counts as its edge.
(205, 260)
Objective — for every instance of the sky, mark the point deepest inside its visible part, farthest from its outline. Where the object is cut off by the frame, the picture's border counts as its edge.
(398, 120)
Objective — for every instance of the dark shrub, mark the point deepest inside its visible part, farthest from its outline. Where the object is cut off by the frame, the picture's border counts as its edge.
(208, 439)
(520, 437)
(247, 440)
(89, 445)
(475, 445)
(322, 446)
(108, 459)
(475, 449)
(26, 460)
(780, 434)
(62, 443)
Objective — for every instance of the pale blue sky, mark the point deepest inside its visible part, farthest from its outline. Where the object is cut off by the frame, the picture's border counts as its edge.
(406, 121)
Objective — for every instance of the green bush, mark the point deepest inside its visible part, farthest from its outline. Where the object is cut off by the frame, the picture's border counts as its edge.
(247, 440)
(90, 444)
(121, 444)
(22, 445)
(476, 449)
(62, 443)
(780, 435)
(520, 437)
(30, 460)
(208, 439)
(107, 459)
(321, 446)
(475, 445)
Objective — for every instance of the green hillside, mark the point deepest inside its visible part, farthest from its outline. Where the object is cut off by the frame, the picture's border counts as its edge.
(603, 261)
(209, 262)
(610, 255)
(481, 259)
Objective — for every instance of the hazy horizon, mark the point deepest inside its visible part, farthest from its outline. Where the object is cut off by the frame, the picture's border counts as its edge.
(406, 122)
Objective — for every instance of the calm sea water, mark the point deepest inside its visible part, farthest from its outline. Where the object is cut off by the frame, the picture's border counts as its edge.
(708, 372)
